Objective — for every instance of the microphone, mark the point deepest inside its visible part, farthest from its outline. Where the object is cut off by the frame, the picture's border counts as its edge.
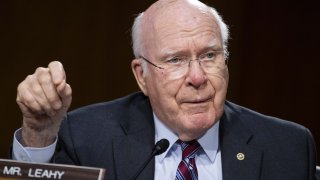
(160, 147)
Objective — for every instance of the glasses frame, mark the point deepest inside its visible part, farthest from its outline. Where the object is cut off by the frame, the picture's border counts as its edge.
(145, 59)
(151, 63)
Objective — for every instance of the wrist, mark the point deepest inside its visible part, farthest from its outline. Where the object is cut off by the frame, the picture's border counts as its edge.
(31, 137)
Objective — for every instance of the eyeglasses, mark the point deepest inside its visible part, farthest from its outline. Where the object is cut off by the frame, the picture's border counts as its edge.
(211, 62)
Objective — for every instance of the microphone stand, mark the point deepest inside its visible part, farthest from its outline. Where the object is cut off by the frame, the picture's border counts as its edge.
(160, 147)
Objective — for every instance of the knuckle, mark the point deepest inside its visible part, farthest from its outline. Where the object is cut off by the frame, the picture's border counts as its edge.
(44, 79)
(40, 70)
(20, 87)
(52, 98)
(22, 94)
(18, 98)
(37, 90)
(42, 105)
(29, 78)
(29, 81)
(30, 103)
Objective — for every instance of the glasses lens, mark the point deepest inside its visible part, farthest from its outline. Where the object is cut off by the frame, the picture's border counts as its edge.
(210, 67)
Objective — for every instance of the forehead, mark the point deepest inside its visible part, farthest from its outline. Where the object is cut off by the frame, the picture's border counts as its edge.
(177, 24)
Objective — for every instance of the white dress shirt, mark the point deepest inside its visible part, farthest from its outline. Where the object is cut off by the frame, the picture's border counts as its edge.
(31, 154)
(208, 159)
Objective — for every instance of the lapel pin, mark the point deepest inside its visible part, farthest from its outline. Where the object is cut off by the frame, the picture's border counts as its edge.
(240, 156)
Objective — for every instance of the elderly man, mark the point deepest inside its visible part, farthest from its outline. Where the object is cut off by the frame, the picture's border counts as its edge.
(180, 65)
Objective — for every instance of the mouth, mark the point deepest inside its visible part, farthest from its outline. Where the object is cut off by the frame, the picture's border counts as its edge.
(198, 101)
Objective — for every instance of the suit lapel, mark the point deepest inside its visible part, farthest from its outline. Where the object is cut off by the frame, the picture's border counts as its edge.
(133, 149)
(129, 156)
(240, 158)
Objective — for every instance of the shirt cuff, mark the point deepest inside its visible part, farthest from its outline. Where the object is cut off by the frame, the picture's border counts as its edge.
(31, 154)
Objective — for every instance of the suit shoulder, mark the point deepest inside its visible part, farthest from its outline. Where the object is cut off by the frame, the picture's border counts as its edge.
(261, 123)
(115, 106)
(106, 114)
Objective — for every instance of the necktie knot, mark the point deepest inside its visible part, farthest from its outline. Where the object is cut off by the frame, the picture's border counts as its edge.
(189, 148)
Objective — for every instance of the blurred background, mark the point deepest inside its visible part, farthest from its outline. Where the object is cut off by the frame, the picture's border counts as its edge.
(274, 46)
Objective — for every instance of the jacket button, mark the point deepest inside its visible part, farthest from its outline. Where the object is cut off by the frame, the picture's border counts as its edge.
(240, 156)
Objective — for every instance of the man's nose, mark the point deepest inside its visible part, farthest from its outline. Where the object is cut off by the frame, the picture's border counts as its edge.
(196, 76)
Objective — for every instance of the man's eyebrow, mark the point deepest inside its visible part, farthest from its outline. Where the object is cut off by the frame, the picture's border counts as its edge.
(213, 44)
(211, 48)
(170, 52)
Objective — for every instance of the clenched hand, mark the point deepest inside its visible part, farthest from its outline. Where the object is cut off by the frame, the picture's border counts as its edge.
(44, 98)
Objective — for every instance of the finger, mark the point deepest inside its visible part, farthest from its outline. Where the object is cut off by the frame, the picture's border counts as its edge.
(65, 92)
(40, 97)
(57, 72)
(49, 89)
(26, 100)
(33, 86)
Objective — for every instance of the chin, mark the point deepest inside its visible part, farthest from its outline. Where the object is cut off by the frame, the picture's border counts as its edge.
(191, 133)
(200, 123)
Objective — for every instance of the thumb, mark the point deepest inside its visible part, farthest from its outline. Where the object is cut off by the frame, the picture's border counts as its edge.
(65, 92)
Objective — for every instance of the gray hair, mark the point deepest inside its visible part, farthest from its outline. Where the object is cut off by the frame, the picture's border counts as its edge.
(137, 36)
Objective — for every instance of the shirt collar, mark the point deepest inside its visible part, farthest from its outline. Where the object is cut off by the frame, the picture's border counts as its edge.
(209, 141)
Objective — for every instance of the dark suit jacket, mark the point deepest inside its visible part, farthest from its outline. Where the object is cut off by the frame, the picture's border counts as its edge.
(119, 136)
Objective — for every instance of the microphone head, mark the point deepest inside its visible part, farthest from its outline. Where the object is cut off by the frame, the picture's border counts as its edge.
(161, 146)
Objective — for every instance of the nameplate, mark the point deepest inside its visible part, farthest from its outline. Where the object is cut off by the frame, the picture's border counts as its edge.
(10, 169)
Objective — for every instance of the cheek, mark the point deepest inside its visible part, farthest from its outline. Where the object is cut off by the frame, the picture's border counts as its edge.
(219, 83)
(221, 77)
(167, 86)
(162, 92)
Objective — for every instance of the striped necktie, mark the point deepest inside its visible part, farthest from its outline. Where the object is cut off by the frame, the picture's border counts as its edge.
(187, 169)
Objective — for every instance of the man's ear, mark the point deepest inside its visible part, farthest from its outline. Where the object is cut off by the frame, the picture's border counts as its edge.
(139, 74)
